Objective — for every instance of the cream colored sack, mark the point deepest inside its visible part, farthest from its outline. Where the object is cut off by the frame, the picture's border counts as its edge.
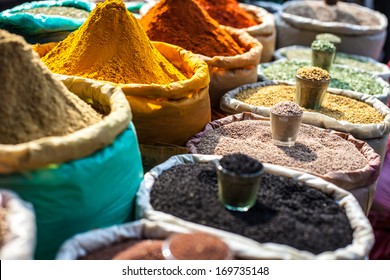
(245, 248)
(265, 32)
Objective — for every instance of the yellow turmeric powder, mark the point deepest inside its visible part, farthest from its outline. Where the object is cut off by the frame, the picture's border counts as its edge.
(112, 46)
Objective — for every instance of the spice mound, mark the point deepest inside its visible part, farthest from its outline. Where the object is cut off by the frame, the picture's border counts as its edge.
(335, 106)
(57, 11)
(285, 212)
(239, 163)
(329, 37)
(34, 103)
(132, 249)
(228, 12)
(316, 151)
(287, 108)
(342, 12)
(185, 24)
(323, 46)
(112, 46)
(196, 246)
(313, 74)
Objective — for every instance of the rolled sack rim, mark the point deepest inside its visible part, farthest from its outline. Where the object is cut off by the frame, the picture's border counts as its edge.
(346, 179)
(334, 27)
(363, 237)
(81, 143)
(250, 58)
(267, 25)
(230, 104)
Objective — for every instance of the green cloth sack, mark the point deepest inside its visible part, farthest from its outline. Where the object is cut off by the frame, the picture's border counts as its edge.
(80, 195)
(37, 25)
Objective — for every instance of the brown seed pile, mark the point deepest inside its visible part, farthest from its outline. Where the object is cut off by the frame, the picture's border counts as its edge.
(198, 246)
(316, 150)
(313, 74)
(286, 108)
(334, 106)
(343, 12)
(34, 104)
(57, 11)
(132, 249)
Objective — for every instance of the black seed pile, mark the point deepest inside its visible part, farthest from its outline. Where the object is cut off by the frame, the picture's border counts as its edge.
(286, 212)
(239, 163)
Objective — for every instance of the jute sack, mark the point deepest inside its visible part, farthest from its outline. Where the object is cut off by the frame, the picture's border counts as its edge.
(229, 72)
(364, 178)
(171, 113)
(361, 40)
(20, 238)
(265, 32)
(245, 248)
(82, 244)
(84, 180)
(374, 134)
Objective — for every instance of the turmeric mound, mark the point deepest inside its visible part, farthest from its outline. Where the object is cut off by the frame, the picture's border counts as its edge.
(34, 104)
(112, 46)
(184, 23)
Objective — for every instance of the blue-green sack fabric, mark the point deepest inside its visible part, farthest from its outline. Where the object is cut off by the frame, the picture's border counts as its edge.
(81, 195)
(29, 24)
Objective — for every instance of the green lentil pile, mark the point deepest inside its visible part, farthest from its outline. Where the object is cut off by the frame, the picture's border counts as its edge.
(334, 106)
(329, 37)
(342, 78)
(58, 11)
(313, 74)
(341, 58)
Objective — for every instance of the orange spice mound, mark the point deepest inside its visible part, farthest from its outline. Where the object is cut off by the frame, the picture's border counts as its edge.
(112, 46)
(184, 23)
(228, 12)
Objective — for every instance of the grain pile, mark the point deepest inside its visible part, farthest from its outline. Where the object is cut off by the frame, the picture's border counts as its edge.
(34, 104)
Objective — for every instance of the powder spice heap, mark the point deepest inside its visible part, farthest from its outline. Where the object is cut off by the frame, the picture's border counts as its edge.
(57, 11)
(239, 164)
(197, 246)
(34, 103)
(131, 249)
(316, 151)
(185, 24)
(313, 74)
(287, 108)
(334, 106)
(228, 12)
(285, 212)
(112, 46)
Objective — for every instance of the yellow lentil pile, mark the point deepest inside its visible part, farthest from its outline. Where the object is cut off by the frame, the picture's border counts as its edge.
(313, 73)
(334, 106)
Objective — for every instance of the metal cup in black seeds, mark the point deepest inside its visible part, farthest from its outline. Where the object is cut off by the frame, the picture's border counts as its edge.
(239, 178)
(286, 211)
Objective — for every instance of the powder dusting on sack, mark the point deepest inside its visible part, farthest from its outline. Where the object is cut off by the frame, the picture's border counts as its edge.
(34, 104)
(112, 46)
(185, 24)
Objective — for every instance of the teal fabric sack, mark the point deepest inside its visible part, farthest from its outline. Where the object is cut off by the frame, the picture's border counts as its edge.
(35, 25)
(80, 195)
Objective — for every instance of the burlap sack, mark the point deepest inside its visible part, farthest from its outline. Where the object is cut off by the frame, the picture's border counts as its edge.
(374, 134)
(171, 113)
(363, 238)
(19, 241)
(365, 178)
(82, 244)
(361, 40)
(229, 72)
(265, 32)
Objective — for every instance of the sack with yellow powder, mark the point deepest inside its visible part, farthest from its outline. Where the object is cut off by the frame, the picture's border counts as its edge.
(166, 86)
(231, 54)
(45, 21)
(70, 150)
